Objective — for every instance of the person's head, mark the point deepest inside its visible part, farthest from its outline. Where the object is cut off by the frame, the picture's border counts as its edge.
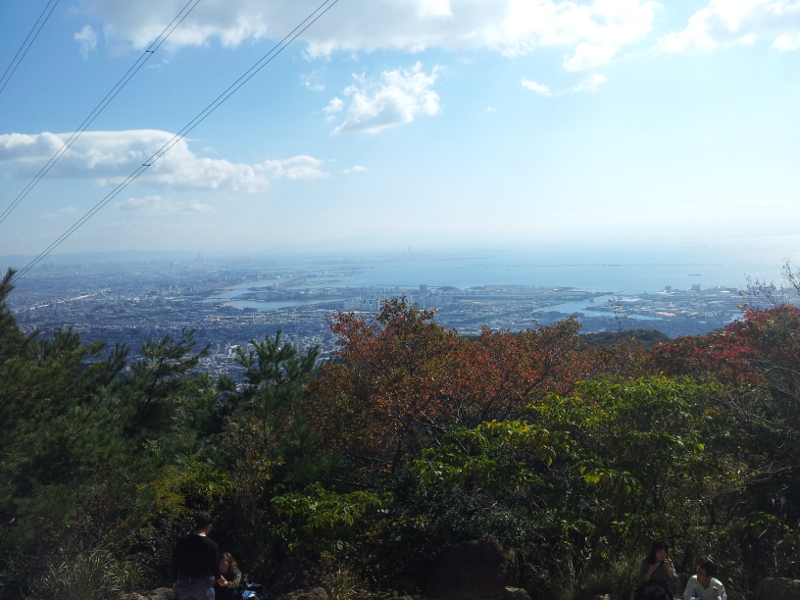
(658, 552)
(226, 563)
(705, 572)
(203, 521)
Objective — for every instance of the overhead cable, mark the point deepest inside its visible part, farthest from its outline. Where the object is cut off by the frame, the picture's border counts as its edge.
(249, 74)
(140, 62)
(26, 45)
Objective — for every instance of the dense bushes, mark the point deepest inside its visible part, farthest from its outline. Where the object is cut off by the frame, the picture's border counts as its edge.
(409, 440)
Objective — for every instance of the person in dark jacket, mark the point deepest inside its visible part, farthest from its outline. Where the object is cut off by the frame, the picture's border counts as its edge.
(230, 571)
(657, 574)
(195, 563)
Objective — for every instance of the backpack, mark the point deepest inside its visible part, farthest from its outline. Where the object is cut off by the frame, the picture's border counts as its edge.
(252, 591)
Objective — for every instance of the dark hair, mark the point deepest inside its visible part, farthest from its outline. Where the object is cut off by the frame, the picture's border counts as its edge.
(233, 567)
(710, 568)
(657, 545)
(202, 521)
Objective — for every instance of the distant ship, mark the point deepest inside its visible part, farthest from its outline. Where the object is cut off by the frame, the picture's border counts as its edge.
(695, 275)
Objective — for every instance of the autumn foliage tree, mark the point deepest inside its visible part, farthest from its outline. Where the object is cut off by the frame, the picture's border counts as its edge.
(400, 381)
(381, 395)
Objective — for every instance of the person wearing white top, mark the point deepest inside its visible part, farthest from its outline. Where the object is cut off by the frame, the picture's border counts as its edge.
(704, 585)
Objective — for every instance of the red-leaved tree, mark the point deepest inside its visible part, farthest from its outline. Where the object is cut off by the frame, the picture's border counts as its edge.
(400, 381)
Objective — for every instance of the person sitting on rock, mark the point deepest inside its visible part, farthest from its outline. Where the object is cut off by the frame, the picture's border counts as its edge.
(704, 585)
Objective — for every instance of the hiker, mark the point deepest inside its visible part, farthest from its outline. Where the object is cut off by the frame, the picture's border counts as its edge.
(657, 573)
(705, 585)
(230, 571)
(195, 563)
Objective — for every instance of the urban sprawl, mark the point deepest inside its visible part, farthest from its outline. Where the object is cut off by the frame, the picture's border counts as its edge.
(229, 306)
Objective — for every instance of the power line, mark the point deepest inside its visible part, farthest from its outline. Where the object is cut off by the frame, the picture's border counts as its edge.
(23, 49)
(140, 62)
(218, 101)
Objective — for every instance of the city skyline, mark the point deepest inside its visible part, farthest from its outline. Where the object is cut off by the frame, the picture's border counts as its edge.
(387, 124)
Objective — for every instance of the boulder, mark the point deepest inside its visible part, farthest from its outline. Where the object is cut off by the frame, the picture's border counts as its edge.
(778, 588)
(293, 574)
(476, 570)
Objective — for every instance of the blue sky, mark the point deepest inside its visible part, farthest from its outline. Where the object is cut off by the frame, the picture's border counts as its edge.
(396, 123)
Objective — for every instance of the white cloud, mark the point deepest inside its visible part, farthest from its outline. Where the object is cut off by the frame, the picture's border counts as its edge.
(788, 41)
(299, 167)
(508, 26)
(402, 95)
(596, 31)
(110, 156)
(22, 147)
(540, 88)
(726, 23)
(311, 81)
(588, 56)
(434, 8)
(591, 83)
(334, 106)
(158, 205)
(355, 169)
(88, 40)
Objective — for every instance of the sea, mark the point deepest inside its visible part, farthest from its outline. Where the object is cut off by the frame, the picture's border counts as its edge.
(621, 269)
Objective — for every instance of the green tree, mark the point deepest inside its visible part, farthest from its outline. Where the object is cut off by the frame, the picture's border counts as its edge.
(268, 446)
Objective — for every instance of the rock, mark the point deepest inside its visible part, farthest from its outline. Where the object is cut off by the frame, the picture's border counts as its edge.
(293, 574)
(607, 597)
(475, 570)
(778, 588)
(311, 593)
(512, 593)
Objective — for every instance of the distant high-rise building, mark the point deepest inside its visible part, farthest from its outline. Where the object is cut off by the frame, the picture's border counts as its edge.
(423, 289)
